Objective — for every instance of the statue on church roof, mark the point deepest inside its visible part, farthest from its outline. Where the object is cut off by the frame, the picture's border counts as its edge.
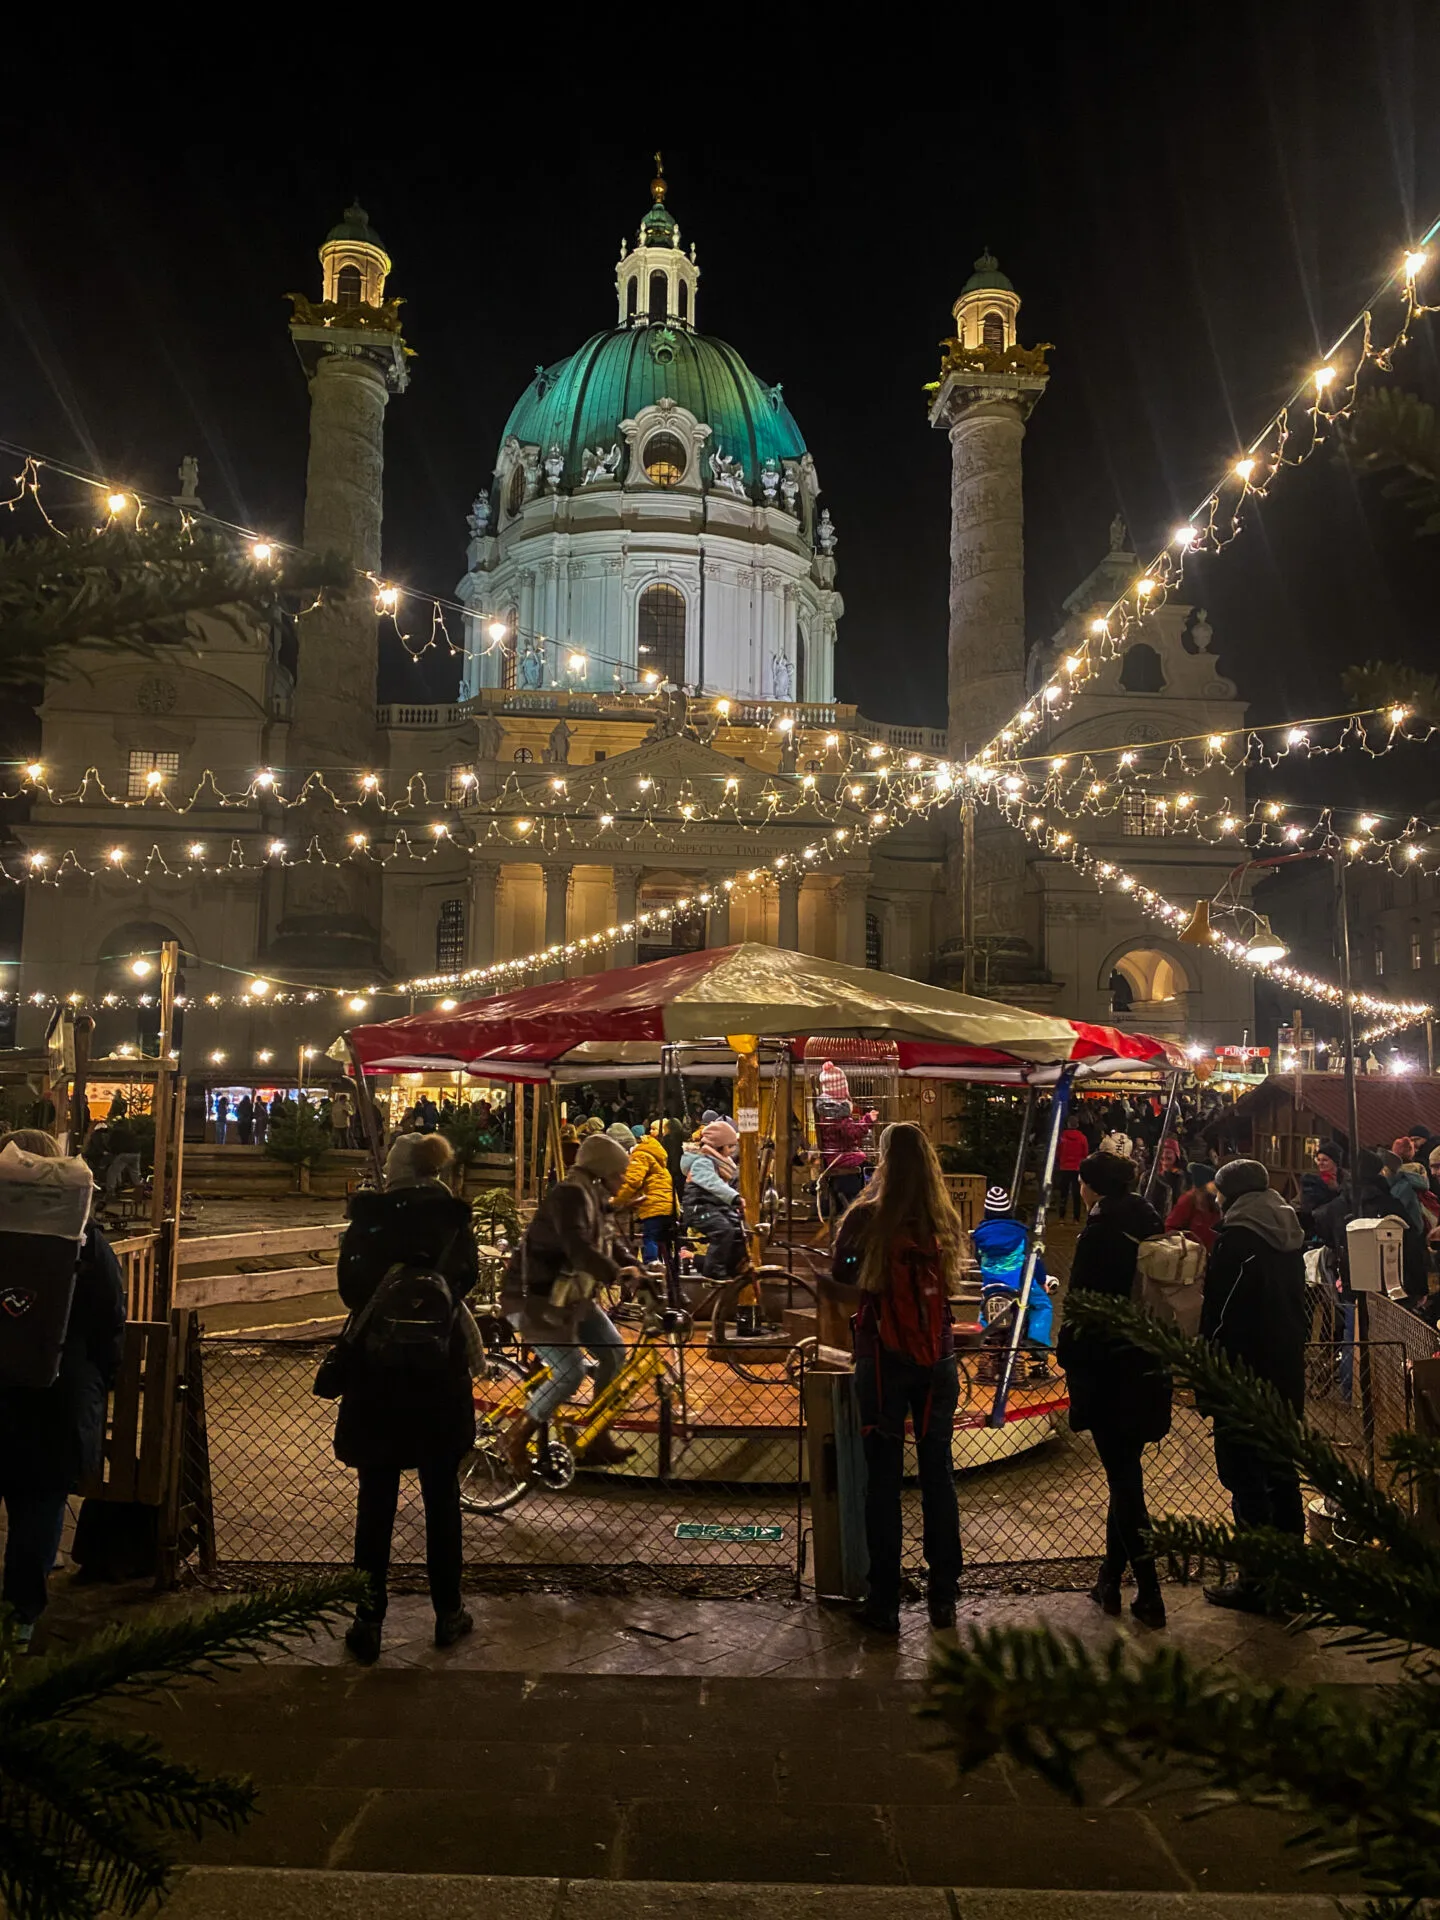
(530, 668)
(782, 677)
(727, 472)
(1119, 535)
(189, 480)
(554, 466)
(478, 518)
(825, 534)
(557, 753)
(1201, 632)
(770, 480)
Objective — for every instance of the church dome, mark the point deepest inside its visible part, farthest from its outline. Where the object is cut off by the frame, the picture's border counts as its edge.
(355, 226)
(580, 402)
(987, 277)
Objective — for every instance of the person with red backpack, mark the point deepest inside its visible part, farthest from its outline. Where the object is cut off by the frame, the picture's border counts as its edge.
(900, 1245)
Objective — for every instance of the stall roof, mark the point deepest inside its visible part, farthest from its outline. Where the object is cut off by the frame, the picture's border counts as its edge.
(1388, 1104)
(618, 1021)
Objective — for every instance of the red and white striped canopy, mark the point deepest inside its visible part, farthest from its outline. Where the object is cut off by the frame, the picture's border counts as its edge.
(608, 1024)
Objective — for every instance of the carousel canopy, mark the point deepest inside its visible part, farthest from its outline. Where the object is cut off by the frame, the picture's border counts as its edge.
(617, 1022)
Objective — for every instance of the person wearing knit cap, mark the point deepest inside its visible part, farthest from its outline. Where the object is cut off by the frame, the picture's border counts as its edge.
(1002, 1245)
(1197, 1211)
(711, 1201)
(1254, 1312)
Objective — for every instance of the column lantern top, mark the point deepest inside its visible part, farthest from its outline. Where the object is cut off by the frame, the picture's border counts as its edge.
(655, 281)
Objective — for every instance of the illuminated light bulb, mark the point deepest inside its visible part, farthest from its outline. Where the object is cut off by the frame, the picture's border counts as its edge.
(841, 833)
(259, 988)
(34, 771)
(141, 967)
(523, 826)
(1014, 784)
(786, 723)
(1161, 806)
(1414, 262)
(308, 1053)
(1396, 715)
(1323, 377)
(116, 856)
(1293, 834)
(439, 829)
(277, 847)
(558, 785)
(877, 752)
(196, 849)
(387, 599)
(722, 707)
(496, 631)
(1061, 839)
(1184, 537)
(1244, 468)
(1105, 869)
(265, 778)
(1368, 823)
(914, 799)
(1027, 718)
(832, 740)
(1273, 810)
(1412, 853)
(264, 1057)
(262, 551)
(1127, 759)
(1217, 741)
(1100, 626)
(1096, 786)
(857, 792)
(731, 784)
(1144, 585)
(1071, 663)
(359, 840)
(1353, 846)
(154, 778)
(1183, 800)
(913, 762)
(878, 819)
(650, 678)
(356, 1003)
(943, 780)
(467, 779)
(117, 502)
(577, 663)
(607, 819)
(1296, 737)
(1126, 883)
(687, 812)
(808, 780)
(217, 1058)
(369, 782)
(1227, 825)
(1036, 823)
(645, 783)
(1058, 761)
(1051, 695)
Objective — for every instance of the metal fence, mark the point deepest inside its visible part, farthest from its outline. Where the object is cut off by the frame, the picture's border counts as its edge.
(714, 1499)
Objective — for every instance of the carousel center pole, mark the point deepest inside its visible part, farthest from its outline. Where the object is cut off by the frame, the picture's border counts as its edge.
(746, 1048)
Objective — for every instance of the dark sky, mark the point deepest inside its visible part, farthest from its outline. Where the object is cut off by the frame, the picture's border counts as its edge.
(1190, 207)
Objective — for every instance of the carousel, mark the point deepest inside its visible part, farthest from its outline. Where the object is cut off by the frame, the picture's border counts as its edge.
(820, 1057)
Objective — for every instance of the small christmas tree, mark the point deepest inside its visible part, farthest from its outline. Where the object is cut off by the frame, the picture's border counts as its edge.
(1364, 1772)
(296, 1136)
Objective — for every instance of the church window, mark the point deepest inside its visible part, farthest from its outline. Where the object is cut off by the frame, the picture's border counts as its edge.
(1142, 671)
(659, 296)
(600, 754)
(814, 766)
(874, 944)
(632, 296)
(800, 692)
(992, 333)
(450, 937)
(684, 297)
(665, 460)
(1379, 954)
(347, 288)
(515, 492)
(660, 636)
(1435, 943)
(459, 786)
(1416, 959)
(523, 756)
(1138, 816)
(142, 764)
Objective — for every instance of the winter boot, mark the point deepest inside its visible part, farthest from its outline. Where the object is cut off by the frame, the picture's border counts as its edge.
(453, 1626)
(1148, 1607)
(362, 1640)
(1106, 1591)
(940, 1604)
(879, 1616)
(605, 1451)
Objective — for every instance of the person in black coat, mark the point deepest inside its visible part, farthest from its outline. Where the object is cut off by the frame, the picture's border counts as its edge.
(389, 1422)
(1255, 1313)
(1119, 1394)
(51, 1438)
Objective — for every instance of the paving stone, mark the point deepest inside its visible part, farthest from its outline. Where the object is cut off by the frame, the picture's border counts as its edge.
(840, 1772)
(509, 1766)
(291, 1827)
(238, 1893)
(465, 1831)
(1105, 1849)
(269, 1759)
(657, 1900)
(700, 1770)
(1243, 1850)
(1006, 1904)
(845, 1845)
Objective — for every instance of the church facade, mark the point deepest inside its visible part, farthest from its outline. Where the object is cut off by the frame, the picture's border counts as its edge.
(646, 718)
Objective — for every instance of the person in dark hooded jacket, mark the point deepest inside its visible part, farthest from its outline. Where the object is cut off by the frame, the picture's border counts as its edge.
(390, 1420)
(1118, 1392)
(1255, 1313)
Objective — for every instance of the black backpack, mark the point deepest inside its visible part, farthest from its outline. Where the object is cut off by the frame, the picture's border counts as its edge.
(409, 1323)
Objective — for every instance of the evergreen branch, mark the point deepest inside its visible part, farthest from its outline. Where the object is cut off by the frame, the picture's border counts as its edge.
(136, 1659)
(79, 1821)
(1047, 1701)
(35, 1883)
(1363, 1595)
(90, 1779)
(1251, 1411)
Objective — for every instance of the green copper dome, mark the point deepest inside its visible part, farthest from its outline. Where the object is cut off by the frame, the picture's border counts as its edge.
(355, 226)
(581, 401)
(987, 277)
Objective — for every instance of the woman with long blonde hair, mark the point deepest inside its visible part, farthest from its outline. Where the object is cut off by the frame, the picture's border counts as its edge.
(900, 1245)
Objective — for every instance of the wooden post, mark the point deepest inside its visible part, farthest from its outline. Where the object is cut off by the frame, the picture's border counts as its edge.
(369, 1119)
(164, 1088)
(747, 1119)
(517, 1116)
(79, 1107)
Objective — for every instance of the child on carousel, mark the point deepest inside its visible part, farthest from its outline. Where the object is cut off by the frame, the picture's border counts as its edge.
(1002, 1245)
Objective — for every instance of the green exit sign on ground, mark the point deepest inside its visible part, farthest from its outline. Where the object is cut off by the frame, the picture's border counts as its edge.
(694, 1530)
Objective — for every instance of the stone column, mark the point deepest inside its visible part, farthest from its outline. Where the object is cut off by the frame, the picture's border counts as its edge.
(788, 928)
(557, 912)
(851, 893)
(717, 924)
(484, 900)
(627, 904)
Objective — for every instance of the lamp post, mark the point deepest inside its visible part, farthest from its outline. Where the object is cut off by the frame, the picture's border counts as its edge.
(1347, 1023)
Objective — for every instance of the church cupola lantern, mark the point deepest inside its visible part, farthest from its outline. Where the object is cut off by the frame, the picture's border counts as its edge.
(355, 264)
(656, 280)
(986, 312)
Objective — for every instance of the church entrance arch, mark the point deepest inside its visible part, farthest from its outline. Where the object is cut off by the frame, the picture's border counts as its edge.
(1145, 974)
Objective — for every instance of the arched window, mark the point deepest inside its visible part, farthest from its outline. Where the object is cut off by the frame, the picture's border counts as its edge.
(1379, 953)
(1142, 671)
(347, 288)
(523, 756)
(515, 491)
(450, 937)
(665, 460)
(992, 331)
(510, 652)
(632, 296)
(660, 632)
(684, 300)
(1149, 975)
(800, 665)
(1435, 943)
(659, 296)
(1417, 958)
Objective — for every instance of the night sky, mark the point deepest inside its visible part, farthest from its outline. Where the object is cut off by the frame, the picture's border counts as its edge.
(1188, 219)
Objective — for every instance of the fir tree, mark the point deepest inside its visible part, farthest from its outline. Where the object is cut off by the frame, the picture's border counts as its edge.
(1363, 1772)
(295, 1134)
(83, 1808)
